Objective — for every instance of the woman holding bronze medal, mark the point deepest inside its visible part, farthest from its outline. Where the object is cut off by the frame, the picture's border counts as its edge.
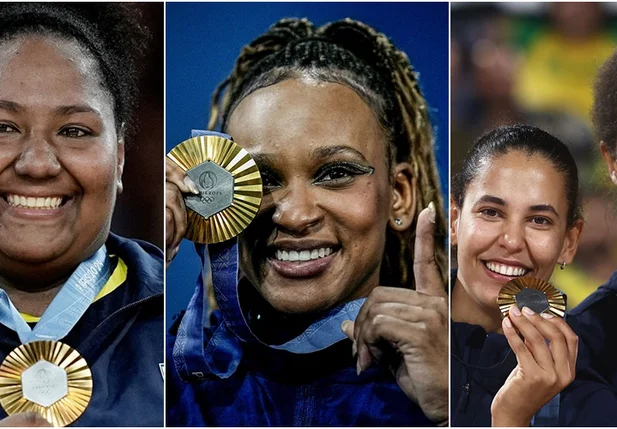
(346, 244)
(81, 309)
(515, 216)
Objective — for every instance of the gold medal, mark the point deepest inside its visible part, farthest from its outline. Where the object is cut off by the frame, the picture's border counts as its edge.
(229, 184)
(47, 377)
(538, 295)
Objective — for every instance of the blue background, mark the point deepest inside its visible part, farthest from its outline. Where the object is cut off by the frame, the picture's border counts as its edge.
(204, 40)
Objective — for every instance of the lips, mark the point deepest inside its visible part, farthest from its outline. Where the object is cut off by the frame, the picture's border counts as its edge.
(38, 203)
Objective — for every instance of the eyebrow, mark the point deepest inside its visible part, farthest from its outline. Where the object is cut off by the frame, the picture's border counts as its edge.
(534, 208)
(10, 106)
(13, 107)
(492, 199)
(329, 151)
(544, 208)
(75, 108)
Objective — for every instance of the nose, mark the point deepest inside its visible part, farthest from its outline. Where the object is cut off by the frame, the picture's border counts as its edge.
(38, 158)
(513, 236)
(296, 211)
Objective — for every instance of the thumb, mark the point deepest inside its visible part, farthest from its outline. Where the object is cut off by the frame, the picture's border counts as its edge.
(30, 419)
(426, 273)
(347, 327)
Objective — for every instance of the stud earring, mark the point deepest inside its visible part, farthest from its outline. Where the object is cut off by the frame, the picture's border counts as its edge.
(398, 221)
(563, 265)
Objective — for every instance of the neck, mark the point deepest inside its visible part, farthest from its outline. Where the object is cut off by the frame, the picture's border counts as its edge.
(467, 310)
(31, 299)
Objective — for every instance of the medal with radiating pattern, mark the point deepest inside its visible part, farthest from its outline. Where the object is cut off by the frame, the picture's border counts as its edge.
(229, 183)
(538, 295)
(46, 377)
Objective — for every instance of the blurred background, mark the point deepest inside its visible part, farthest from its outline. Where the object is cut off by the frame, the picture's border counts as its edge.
(139, 209)
(535, 63)
(204, 40)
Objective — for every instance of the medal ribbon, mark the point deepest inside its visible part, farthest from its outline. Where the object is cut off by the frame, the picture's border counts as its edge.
(68, 305)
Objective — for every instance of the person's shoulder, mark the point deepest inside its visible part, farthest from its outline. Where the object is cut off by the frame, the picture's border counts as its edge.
(144, 261)
(600, 301)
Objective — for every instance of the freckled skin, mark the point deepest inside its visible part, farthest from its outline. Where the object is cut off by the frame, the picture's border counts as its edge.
(45, 152)
(512, 234)
(290, 120)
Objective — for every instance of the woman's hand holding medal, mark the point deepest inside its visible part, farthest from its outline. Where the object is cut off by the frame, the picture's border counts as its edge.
(414, 324)
(546, 358)
(176, 183)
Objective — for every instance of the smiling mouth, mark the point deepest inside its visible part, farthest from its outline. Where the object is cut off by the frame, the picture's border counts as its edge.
(302, 255)
(37, 203)
(506, 270)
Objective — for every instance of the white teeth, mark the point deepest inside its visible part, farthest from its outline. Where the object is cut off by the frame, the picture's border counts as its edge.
(303, 255)
(506, 270)
(40, 203)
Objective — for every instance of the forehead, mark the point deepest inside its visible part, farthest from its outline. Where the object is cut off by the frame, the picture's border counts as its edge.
(32, 66)
(519, 179)
(303, 114)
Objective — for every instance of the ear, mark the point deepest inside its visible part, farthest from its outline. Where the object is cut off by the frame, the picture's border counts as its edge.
(120, 159)
(455, 215)
(570, 244)
(403, 197)
(611, 163)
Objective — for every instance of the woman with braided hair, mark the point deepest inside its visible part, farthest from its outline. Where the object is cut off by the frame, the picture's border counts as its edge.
(83, 305)
(343, 270)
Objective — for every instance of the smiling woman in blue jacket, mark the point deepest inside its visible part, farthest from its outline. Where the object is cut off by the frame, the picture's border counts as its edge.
(343, 245)
(67, 89)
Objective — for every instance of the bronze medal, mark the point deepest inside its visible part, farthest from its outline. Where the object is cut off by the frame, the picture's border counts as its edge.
(538, 295)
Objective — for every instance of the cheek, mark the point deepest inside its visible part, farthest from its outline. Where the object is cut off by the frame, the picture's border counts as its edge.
(95, 170)
(364, 211)
(476, 235)
(545, 249)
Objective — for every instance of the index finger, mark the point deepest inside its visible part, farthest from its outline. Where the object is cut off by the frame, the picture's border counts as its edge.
(425, 270)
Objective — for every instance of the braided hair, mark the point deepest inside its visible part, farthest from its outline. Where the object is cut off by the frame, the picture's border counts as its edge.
(110, 32)
(353, 54)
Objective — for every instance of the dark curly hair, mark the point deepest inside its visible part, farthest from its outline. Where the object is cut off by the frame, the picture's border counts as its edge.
(353, 54)
(111, 32)
(531, 141)
(604, 111)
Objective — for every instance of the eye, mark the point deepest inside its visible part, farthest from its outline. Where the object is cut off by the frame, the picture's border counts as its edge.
(341, 173)
(540, 221)
(490, 213)
(74, 132)
(269, 180)
(7, 128)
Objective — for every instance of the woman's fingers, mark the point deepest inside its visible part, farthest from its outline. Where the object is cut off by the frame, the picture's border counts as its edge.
(426, 273)
(534, 340)
(175, 217)
(570, 337)
(29, 419)
(175, 175)
(523, 356)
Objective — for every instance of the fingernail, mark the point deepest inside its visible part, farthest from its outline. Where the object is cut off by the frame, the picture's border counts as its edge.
(345, 324)
(354, 349)
(514, 311)
(358, 367)
(431, 212)
(507, 322)
(191, 185)
(528, 311)
(547, 315)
